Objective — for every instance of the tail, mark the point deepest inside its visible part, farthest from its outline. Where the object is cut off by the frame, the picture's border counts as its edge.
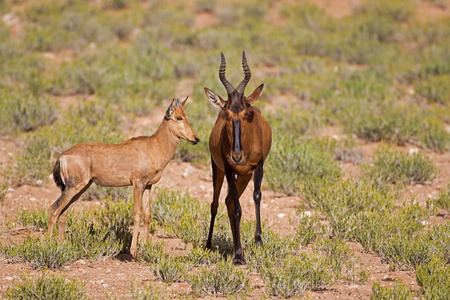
(57, 176)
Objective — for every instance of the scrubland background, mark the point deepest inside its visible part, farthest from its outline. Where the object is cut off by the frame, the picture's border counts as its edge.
(356, 192)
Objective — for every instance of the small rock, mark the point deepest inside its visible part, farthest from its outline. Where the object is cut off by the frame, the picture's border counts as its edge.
(413, 151)
(281, 215)
(9, 278)
(10, 190)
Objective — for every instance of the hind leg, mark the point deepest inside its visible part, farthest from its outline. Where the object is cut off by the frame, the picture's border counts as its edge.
(65, 213)
(68, 196)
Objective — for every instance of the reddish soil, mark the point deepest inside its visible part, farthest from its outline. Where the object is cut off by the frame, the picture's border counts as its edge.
(113, 277)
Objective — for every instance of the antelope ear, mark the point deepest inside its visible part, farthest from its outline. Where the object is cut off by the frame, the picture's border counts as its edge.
(184, 102)
(255, 95)
(214, 98)
(170, 110)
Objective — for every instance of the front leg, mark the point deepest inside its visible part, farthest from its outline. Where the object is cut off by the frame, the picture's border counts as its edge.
(218, 176)
(259, 172)
(139, 188)
(234, 214)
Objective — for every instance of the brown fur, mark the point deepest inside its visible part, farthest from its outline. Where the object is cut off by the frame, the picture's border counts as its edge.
(238, 163)
(139, 162)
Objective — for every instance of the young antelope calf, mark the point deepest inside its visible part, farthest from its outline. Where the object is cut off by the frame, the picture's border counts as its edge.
(139, 162)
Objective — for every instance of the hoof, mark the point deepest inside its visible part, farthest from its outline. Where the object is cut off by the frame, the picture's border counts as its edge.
(259, 243)
(239, 261)
(134, 253)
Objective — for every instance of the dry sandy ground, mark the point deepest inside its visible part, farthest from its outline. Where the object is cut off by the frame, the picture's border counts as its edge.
(114, 276)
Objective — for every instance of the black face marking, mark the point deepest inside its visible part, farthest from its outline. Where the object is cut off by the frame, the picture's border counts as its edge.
(236, 104)
(237, 136)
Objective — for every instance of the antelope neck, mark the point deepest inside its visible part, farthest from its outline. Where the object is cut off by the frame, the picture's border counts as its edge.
(164, 136)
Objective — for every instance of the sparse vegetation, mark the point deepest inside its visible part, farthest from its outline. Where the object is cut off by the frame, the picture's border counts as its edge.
(46, 287)
(76, 71)
(399, 291)
(443, 201)
(393, 166)
(224, 279)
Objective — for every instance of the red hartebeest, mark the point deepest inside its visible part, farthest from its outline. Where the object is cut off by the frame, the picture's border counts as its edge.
(139, 161)
(239, 143)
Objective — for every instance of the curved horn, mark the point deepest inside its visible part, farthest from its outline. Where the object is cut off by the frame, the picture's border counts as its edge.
(248, 75)
(227, 85)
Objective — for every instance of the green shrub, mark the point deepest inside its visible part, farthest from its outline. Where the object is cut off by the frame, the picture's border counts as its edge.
(202, 257)
(292, 277)
(92, 240)
(343, 202)
(25, 112)
(308, 228)
(399, 291)
(292, 164)
(41, 253)
(181, 215)
(435, 89)
(46, 287)
(38, 219)
(397, 10)
(374, 122)
(434, 279)
(149, 292)
(394, 166)
(169, 269)
(150, 252)
(443, 201)
(223, 279)
(398, 238)
(434, 135)
(33, 165)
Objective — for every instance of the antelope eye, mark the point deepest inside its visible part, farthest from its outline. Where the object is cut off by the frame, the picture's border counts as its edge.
(179, 118)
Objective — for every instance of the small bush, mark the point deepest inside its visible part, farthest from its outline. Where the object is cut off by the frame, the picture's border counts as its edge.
(293, 276)
(344, 201)
(308, 228)
(397, 10)
(435, 89)
(399, 291)
(292, 165)
(33, 165)
(41, 253)
(37, 219)
(202, 257)
(434, 136)
(149, 292)
(181, 215)
(46, 287)
(434, 279)
(150, 252)
(169, 269)
(223, 279)
(93, 240)
(25, 112)
(443, 201)
(394, 166)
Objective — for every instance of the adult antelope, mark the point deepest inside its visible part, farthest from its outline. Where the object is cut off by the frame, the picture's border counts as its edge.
(139, 162)
(239, 143)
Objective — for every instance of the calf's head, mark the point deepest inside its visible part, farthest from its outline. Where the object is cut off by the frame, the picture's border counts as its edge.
(178, 121)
